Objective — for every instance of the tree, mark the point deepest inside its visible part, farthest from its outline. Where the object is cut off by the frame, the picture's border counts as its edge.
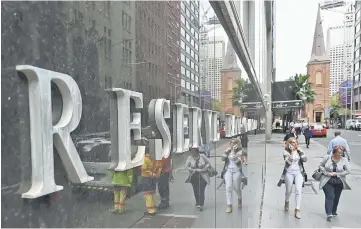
(335, 110)
(240, 92)
(303, 88)
(216, 105)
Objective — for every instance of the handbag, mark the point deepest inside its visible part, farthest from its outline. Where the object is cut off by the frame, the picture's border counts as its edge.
(212, 172)
(317, 175)
(224, 170)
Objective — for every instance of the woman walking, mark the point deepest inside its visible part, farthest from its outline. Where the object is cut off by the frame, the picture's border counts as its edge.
(233, 175)
(334, 168)
(293, 173)
(198, 165)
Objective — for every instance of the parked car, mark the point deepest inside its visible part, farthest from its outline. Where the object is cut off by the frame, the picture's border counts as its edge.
(357, 124)
(319, 130)
(222, 133)
(350, 124)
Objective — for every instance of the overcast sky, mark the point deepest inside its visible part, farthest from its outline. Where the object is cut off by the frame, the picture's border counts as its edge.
(295, 26)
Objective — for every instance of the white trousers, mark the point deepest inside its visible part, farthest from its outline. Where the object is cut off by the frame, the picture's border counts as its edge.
(298, 178)
(233, 180)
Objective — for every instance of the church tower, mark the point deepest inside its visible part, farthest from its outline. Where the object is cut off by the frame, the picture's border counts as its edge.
(230, 72)
(318, 68)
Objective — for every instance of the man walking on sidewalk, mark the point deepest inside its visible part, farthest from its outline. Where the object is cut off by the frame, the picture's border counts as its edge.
(163, 182)
(308, 134)
(339, 141)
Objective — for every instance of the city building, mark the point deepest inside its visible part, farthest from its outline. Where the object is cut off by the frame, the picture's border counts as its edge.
(189, 42)
(339, 47)
(230, 73)
(157, 50)
(212, 53)
(318, 68)
(356, 98)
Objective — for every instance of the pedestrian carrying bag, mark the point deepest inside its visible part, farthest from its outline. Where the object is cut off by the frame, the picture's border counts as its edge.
(317, 175)
(212, 172)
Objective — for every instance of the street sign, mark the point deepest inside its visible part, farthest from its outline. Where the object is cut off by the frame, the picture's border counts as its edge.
(287, 104)
(275, 104)
(249, 106)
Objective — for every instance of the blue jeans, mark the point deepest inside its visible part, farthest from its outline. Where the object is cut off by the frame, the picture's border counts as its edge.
(332, 197)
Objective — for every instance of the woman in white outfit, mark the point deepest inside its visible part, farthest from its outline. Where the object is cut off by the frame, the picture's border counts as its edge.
(232, 176)
(294, 157)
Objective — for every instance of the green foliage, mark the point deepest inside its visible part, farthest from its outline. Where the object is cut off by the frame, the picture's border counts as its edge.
(335, 110)
(303, 89)
(216, 105)
(240, 92)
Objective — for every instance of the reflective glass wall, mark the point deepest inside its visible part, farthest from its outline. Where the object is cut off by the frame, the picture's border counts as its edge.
(122, 114)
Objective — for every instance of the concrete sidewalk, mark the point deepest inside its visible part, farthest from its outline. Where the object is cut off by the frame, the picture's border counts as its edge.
(312, 208)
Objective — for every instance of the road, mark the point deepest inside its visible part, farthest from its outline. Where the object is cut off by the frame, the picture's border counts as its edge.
(353, 138)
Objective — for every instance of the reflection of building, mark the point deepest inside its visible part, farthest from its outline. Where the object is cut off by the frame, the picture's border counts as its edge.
(356, 103)
(190, 52)
(339, 47)
(157, 51)
(229, 73)
(211, 57)
(344, 98)
(318, 68)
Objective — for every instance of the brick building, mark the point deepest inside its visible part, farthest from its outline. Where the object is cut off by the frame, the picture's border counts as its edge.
(319, 70)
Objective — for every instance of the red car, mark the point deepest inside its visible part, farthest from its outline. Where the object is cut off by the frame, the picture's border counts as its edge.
(319, 130)
(222, 133)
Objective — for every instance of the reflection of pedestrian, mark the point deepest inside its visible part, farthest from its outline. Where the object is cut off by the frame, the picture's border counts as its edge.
(233, 176)
(244, 142)
(163, 183)
(151, 170)
(122, 180)
(198, 165)
(308, 134)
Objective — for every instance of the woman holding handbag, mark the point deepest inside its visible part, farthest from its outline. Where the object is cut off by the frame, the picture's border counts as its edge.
(198, 166)
(294, 173)
(334, 169)
(233, 174)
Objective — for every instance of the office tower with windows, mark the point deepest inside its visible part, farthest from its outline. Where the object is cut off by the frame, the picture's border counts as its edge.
(190, 77)
(356, 99)
(211, 57)
(339, 46)
(157, 50)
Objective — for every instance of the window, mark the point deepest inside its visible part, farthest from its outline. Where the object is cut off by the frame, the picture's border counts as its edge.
(183, 19)
(196, 88)
(192, 53)
(188, 13)
(188, 25)
(318, 78)
(357, 28)
(183, 70)
(192, 87)
(188, 49)
(196, 68)
(192, 42)
(196, 46)
(357, 15)
(357, 41)
(192, 30)
(188, 38)
(188, 61)
(183, 6)
(183, 58)
(183, 83)
(183, 32)
(188, 85)
(196, 57)
(126, 21)
(357, 66)
(188, 73)
(197, 79)
(183, 45)
(192, 64)
(192, 76)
